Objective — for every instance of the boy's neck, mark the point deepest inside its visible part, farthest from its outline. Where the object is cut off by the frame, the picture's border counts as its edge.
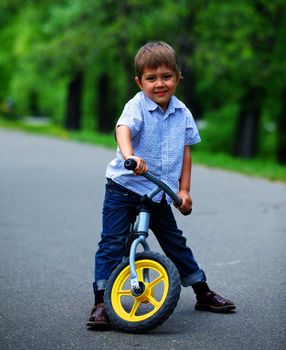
(163, 109)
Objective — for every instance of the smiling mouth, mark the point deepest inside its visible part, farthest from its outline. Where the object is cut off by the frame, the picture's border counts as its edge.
(160, 93)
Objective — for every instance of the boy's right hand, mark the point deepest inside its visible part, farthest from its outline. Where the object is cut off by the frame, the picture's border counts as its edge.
(141, 167)
(187, 203)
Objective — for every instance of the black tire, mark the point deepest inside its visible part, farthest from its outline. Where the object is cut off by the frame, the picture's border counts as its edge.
(162, 294)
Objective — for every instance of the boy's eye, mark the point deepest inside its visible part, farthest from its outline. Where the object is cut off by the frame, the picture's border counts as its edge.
(152, 78)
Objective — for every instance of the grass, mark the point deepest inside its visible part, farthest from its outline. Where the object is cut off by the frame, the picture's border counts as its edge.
(253, 167)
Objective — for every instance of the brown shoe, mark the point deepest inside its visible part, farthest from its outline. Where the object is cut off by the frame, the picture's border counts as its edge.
(98, 316)
(211, 301)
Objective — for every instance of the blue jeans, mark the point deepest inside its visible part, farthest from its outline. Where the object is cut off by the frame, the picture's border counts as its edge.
(119, 203)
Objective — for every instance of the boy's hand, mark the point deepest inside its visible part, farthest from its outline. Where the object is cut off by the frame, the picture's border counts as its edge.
(141, 167)
(187, 202)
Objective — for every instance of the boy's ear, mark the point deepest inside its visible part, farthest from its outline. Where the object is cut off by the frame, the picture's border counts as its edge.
(180, 77)
(137, 81)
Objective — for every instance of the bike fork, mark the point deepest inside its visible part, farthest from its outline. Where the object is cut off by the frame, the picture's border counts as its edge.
(142, 231)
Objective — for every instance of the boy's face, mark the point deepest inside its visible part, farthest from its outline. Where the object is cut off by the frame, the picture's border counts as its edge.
(158, 84)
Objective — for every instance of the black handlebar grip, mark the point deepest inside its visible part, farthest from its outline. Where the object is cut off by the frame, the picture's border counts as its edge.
(130, 164)
(187, 212)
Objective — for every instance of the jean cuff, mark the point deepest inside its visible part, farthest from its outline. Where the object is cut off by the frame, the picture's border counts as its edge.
(99, 285)
(198, 276)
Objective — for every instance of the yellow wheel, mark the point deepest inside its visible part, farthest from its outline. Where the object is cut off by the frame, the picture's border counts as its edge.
(159, 294)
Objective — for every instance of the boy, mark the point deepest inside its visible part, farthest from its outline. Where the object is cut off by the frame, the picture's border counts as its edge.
(156, 129)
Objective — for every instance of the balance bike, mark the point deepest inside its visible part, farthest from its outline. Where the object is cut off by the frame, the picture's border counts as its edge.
(144, 289)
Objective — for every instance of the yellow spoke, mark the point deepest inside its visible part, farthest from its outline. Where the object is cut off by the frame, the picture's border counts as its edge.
(157, 280)
(124, 292)
(134, 308)
(153, 301)
(140, 274)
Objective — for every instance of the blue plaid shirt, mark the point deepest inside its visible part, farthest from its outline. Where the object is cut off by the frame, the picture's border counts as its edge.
(158, 137)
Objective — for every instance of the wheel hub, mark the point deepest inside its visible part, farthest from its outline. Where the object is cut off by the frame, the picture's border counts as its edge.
(139, 292)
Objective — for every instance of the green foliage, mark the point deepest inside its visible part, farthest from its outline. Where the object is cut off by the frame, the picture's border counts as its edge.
(258, 167)
(218, 136)
(226, 47)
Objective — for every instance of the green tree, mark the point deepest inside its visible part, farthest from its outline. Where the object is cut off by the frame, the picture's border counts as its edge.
(73, 60)
(234, 55)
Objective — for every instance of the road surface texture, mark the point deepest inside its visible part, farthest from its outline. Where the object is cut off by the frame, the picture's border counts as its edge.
(51, 193)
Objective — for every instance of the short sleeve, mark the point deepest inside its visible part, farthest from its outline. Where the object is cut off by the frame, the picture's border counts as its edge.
(131, 117)
(192, 135)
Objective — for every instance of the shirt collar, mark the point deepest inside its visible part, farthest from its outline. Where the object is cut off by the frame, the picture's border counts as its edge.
(174, 103)
(151, 105)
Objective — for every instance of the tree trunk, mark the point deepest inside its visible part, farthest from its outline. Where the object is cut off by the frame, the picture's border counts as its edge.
(124, 9)
(281, 131)
(188, 85)
(131, 88)
(248, 125)
(187, 49)
(34, 104)
(105, 105)
(73, 113)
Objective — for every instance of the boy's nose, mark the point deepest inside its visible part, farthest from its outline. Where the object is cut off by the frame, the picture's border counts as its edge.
(159, 82)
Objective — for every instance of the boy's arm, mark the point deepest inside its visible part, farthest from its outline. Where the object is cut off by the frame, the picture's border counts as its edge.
(185, 181)
(123, 138)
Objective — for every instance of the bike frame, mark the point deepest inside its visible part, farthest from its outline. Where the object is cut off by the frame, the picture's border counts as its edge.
(141, 228)
(142, 225)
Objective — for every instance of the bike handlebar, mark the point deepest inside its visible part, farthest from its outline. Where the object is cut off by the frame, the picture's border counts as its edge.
(130, 164)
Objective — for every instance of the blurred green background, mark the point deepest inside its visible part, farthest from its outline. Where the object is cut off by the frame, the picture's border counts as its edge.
(66, 68)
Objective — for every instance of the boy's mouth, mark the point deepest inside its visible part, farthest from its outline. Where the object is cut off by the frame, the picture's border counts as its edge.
(160, 93)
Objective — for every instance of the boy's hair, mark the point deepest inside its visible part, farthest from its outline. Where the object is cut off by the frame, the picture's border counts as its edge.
(155, 54)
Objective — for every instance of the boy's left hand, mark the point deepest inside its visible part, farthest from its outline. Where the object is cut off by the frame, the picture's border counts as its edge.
(187, 202)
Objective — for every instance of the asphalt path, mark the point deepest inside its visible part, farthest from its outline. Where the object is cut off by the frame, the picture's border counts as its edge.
(51, 194)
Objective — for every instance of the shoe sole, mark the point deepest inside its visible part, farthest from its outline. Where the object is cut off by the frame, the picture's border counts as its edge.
(206, 307)
(97, 324)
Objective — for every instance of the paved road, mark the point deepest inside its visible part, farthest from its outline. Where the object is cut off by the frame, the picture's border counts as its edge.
(51, 193)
